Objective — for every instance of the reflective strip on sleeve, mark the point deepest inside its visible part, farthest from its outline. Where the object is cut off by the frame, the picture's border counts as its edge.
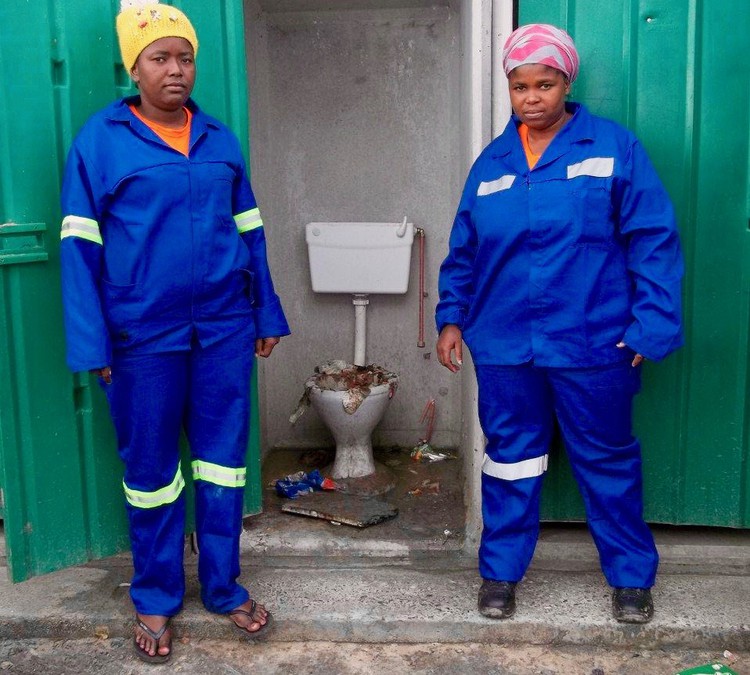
(598, 167)
(218, 475)
(248, 220)
(85, 228)
(490, 187)
(528, 468)
(160, 497)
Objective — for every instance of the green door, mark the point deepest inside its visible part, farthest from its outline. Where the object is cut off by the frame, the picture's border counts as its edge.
(60, 478)
(676, 73)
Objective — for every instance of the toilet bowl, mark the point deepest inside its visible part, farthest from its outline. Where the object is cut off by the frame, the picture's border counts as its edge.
(352, 432)
(358, 259)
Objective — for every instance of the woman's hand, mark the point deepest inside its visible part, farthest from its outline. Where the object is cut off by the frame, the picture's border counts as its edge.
(450, 341)
(637, 359)
(104, 373)
(264, 346)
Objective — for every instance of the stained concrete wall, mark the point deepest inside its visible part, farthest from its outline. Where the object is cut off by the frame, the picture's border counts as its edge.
(355, 116)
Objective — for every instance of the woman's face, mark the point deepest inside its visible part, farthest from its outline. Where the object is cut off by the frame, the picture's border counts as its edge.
(165, 73)
(537, 94)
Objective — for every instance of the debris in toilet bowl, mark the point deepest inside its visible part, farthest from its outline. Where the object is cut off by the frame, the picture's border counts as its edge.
(339, 375)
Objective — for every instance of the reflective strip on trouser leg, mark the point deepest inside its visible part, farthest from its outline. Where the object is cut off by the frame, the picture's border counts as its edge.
(147, 401)
(594, 409)
(150, 500)
(515, 410)
(219, 475)
(217, 426)
(526, 468)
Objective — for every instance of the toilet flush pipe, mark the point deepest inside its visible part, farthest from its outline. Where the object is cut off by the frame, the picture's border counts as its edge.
(360, 302)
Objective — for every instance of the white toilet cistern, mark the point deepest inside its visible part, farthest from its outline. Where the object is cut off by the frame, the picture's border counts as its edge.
(359, 259)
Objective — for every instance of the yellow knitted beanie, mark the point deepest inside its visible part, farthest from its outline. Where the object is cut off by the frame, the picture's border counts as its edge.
(141, 22)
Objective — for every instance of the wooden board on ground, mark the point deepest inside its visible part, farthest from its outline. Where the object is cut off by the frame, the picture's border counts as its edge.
(340, 508)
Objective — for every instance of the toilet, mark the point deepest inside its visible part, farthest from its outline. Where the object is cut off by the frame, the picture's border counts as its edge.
(352, 432)
(359, 259)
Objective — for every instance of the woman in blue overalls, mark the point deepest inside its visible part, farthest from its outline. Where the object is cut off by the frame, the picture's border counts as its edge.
(168, 297)
(563, 274)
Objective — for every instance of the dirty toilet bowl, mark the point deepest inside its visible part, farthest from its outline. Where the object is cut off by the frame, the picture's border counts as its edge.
(354, 465)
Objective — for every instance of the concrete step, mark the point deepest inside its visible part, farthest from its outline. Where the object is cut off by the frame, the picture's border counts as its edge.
(425, 601)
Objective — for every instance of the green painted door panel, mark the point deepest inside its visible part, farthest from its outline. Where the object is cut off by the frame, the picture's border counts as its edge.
(676, 73)
(60, 479)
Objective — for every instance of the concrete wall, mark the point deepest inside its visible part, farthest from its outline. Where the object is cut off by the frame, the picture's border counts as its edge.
(356, 115)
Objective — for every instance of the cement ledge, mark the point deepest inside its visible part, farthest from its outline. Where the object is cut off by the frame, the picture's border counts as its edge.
(395, 605)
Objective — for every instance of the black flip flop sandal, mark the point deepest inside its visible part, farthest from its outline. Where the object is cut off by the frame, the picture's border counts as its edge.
(259, 634)
(155, 636)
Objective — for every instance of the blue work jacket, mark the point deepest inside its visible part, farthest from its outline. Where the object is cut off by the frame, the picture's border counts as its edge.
(559, 263)
(159, 249)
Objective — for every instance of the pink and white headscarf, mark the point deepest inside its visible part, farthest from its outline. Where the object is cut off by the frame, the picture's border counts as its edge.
(541, 43)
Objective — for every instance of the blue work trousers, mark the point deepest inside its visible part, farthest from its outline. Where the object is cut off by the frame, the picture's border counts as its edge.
(518, 406)
(152, 397)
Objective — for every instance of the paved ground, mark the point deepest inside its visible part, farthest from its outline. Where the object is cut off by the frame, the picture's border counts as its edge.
(207, 657)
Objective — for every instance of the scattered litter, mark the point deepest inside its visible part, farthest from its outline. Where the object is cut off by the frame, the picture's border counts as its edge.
(427, 487)
(357, 381)
(708, 669)
(424, 453)
(301, 483)
(422, 450)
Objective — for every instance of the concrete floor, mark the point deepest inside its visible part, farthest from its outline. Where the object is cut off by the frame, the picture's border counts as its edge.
(429, 498)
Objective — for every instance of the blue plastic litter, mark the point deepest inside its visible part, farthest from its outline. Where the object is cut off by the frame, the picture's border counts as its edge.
(301, 483)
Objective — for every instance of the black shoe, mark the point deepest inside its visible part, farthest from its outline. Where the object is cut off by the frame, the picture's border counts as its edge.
(497, 599)
(632, 605)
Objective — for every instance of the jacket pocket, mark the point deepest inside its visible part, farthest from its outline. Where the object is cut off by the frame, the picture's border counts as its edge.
(593, 207)
(122, 306)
